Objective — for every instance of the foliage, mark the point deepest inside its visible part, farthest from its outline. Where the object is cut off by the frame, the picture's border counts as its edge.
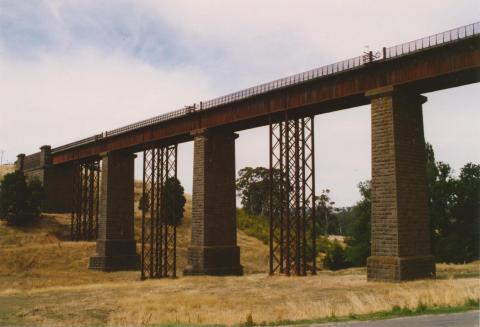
(454, 210)
(358, 243)
(335, 258)
(20, 202)
(253, 187)
(256, 226)
(324, 213)
(340, 220)
(175, 199)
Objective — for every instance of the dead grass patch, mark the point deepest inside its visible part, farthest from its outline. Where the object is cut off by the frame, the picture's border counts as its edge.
(44, 280)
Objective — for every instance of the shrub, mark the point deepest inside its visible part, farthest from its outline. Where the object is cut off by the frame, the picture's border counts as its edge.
(20, 202)
(256, 226)
(335, 258)
(144, 202)
(175, 201)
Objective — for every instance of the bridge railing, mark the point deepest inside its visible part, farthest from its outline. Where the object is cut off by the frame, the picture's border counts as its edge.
(151, 121)
(432, 41)
(78, 143)
(288, 81)
(341, 66)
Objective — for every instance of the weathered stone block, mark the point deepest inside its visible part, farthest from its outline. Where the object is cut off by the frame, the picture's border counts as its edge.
(116, 243)
(214, 249)
(400, 230)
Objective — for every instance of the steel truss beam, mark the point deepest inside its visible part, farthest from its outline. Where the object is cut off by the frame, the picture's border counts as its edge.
(86, 200)
(292, 194)
(159, 236)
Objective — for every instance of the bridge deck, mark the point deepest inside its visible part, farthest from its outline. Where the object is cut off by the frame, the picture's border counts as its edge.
(442, 61)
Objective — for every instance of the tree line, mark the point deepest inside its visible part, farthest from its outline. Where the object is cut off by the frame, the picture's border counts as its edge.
(454, 204)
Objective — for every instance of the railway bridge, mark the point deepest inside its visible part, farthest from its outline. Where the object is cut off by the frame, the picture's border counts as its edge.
(98, 172)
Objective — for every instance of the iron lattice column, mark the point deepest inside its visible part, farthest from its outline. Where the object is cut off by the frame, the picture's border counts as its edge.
(159, 232)
(292, 194)
(86, 196)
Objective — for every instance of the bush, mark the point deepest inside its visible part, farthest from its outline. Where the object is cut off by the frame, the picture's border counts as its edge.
(20, 202)
(335, 257)
(256, 226)
(175, 201)
(358, 244)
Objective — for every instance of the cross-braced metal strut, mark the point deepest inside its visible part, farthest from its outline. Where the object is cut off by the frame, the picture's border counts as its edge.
(292, 194)
(159, 232)
(85, 206)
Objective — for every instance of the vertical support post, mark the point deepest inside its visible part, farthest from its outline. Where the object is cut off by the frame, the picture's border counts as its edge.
(270, 196)
(158, 224)
(292, 197)
(19, 164)
(85, 200)
(214, 250)
(116, 243)
(400, 229)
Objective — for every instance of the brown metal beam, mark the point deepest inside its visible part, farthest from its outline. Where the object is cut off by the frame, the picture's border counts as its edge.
(435, 69)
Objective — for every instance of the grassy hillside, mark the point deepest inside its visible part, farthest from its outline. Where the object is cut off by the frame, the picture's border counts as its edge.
(43, 256)
(44, 280)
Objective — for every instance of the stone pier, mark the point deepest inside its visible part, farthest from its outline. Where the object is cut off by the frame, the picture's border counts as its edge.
(57, 180)
(400, 228)
(214, 250)
(116, 245)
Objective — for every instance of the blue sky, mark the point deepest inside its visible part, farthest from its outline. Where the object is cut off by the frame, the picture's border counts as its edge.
(70, 69)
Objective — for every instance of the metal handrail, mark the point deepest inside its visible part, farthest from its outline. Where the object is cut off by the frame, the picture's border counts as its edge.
(403, 49)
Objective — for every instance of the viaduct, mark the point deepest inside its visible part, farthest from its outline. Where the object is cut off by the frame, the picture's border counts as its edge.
(98, 172)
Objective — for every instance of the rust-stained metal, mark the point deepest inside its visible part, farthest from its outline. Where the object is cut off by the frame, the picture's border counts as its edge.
(86, 201)
(434, 69)
(292, 194)
(429, 64)
(159, 234)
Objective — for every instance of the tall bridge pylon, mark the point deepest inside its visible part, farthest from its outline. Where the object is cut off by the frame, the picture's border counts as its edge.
(292, 197)
(86, 200)
(159, 230)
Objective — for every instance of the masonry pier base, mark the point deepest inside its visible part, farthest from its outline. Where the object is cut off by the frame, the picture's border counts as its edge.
(116, 245)
(214, 249)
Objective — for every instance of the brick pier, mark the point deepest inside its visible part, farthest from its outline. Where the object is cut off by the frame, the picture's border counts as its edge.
(57, 180)
(400, 228)
(214, 250)
(116, 248)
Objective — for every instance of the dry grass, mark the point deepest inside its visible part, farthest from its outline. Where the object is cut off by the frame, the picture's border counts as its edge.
(228, 300)
(42, 255)
(44, 281)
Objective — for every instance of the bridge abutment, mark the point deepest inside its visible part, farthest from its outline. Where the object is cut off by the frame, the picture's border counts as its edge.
(57, 180)
(213, 249)
(400, 228)
(116, 245)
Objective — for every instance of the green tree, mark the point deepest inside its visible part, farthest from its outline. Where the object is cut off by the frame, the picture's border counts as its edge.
(358, 243)
(335, 258)
(342, 217)
(175, 201)
(324, 211)
(466, 210)
(254, 187)
(20, 202)
(453, 209)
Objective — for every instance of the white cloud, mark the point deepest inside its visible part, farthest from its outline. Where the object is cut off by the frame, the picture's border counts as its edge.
(93, 66)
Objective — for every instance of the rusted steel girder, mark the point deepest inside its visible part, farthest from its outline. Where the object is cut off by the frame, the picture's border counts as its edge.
(434, 69)
(292, 195)
(159, 232)
(86, 201)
